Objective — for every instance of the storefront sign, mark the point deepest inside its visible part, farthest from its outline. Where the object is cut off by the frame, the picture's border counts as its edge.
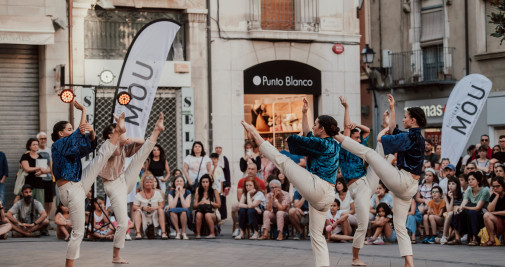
(188, 120)
(433, 108)
(282, 77)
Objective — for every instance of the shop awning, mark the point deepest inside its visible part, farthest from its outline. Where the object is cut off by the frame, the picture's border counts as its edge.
(26, 30)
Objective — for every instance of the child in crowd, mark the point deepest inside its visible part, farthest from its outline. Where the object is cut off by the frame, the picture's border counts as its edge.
(217, 173)
(102, 227)
(383, 223)
(413, 219)
(452, 200)
(63, 223)
(433, 216)
(423, 196)
(334, 222)
(463, 182)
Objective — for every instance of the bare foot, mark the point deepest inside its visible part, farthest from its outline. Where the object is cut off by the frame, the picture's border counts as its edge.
(358, 263)
(385, 119)
(159, 124)
(120, 126)
(119, 260)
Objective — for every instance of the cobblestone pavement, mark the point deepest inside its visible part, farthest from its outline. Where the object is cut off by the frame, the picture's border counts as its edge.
(224, 251)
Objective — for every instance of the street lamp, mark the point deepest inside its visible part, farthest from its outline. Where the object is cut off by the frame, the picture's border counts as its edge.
(367, 54)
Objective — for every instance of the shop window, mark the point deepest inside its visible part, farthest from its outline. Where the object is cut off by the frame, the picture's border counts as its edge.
(276, 116)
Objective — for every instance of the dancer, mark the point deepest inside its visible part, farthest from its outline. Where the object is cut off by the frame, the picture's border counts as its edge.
(361, 181)
(403, 181)
(74, 182)
(118, 182)
(316, 183)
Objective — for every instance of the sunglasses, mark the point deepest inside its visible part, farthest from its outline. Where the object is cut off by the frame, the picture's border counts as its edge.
(495, 186)
(484, 140)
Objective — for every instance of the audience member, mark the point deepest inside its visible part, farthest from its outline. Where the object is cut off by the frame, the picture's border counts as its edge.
(251, 172)
(429, 155)
(196, 164)
(501, 154)
(148, 206)
(336, 222)
(434, 216)
(157, 164)
(102, 227)
(453, 200)
(225, 165)
(414, 218)
(28, 216)
(482, 161)
(383, 223)
(32, 164)
(468, 218)
(346, 205)
(63, 223)
(179, 202)
(207, 201)
(463, 181)
(252, 205)
(468, 157)
(423, 196)
(217, 174)
(450, 171)
(494, 219)
(5, 225)
(484, 143)
(4, 173)
(277, 204)
(49, 189)
(299, 214)
(381, 196)
(249, 157)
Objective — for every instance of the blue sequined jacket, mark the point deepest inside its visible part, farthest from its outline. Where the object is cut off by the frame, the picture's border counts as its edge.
(322, 154)
(409, 146)
(67, 153)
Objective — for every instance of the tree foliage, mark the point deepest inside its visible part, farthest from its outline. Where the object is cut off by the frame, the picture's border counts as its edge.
(498, 19)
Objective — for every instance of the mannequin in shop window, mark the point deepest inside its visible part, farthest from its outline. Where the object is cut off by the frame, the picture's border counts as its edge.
(258, 119)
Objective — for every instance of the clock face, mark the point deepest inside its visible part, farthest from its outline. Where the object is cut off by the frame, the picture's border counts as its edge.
(106, 76)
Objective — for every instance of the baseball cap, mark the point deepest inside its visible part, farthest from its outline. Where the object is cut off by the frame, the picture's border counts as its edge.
(450, 166)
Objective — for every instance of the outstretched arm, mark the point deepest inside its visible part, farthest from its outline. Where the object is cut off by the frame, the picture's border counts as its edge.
(347, 117)
(305, 120)
(392, 118)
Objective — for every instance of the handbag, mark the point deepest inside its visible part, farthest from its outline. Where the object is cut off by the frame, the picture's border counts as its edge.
(194, 186)
(205, 208)
(20, 181)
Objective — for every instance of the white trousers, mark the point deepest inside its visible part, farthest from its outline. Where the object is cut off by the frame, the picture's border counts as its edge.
(319, 193)
(73, 194)
(400, 182)
(118, 189)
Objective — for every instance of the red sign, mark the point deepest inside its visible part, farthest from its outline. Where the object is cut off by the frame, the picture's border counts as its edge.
(338, 48)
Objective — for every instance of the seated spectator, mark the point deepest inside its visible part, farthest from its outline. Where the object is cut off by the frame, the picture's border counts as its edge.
(468, 157)
(463, 182)
(346, 205)
(277, 204)
(499, 170)
(179, 202)
(336, 221)
(102, 228)
(299, 214)
(496, 149)
(414, 218)
(251, 171)
(441, 173)
(449, 171)
(148, 205)
(434, 216)
(286, 185)
(383, 223)
(468, 219)
(494, 219)
(267, 168)
(207, 201)
(453, 200)
(63, 223)
(5, 225)
(252, 204)
(157, 187)
(381, 196)
(470, 167)
(27, 216)
(423, 196)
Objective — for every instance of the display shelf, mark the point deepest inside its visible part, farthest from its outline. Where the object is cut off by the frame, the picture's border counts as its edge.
(280, 132)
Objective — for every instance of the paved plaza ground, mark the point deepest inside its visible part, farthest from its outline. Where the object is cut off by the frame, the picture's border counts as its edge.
(224, 251)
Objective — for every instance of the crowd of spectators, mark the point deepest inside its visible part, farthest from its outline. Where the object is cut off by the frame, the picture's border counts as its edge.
(456, 203)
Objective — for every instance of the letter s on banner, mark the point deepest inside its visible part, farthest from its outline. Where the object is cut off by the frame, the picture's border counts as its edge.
(141, 72)
(462, 112)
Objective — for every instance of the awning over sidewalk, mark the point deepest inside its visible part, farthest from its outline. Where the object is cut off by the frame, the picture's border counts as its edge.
(26, 30)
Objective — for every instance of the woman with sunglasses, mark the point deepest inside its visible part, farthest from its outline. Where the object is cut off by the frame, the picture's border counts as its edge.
(494, 219)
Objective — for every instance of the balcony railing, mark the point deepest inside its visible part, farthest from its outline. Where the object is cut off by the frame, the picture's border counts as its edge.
(284, 15)
(431, 64)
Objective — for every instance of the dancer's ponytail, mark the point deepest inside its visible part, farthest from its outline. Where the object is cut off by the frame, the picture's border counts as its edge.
(418, 114)
(329, 124)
